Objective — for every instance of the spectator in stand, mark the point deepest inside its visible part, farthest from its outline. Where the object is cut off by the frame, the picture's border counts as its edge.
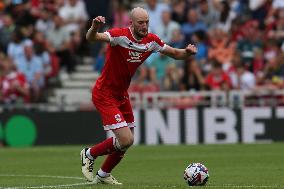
(236, 60)
(74, 15)
(32, 67)
(16, 46)
(179, 11)
(14, 87)
(192, 78)
(217, 79)
(258, 65)
(59, 40)
(258, 9)
(177, 40)
(145, 81)
(50, 60)
(192, 25)
(199, 38)
(75, 46)
(172, 78)
(44, 57)
(277, 5)
(166, 28)
(21, 12)
(274, 73)
(242, 79)
(237, 30)
(208, 13)
(227, 15)
(44, 22)
(155, 9)
(6, 31)
(251, 41)
(158, 65)
(120, 15)
(221, 48)
(271, 49)
(276, 28)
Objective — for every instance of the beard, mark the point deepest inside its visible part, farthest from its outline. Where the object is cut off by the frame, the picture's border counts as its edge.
(140, 34)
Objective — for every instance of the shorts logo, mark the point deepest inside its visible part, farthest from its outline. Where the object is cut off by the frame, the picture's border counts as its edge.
(117, 118)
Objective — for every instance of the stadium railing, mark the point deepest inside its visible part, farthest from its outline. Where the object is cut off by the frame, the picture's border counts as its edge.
(189, 99)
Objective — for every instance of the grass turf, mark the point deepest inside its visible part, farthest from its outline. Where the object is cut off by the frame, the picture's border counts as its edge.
(230, 166)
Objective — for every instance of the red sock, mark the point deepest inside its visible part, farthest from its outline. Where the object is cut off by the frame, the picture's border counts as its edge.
(103, 148)
(112, 160)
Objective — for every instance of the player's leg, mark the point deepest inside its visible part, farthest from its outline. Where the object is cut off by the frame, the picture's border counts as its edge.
(112, 119)
(124, 137)
(115, 157)
(88, 155)
(111, 161)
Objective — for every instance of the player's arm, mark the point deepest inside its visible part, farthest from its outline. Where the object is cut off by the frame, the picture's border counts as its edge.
(179, 53)
(93, 34)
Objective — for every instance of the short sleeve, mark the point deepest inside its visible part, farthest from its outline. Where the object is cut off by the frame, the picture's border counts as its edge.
(114, 35)
(159, 45)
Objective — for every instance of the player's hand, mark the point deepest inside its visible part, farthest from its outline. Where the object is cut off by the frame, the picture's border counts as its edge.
(98, 22)
(191, 49)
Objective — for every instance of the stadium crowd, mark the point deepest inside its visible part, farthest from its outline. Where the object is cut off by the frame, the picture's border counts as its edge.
(240, 44)
(38, 40)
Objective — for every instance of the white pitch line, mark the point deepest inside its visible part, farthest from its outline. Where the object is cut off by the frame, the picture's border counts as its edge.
(42, 176)
(45, 186)
(87, 183)
(50, 186)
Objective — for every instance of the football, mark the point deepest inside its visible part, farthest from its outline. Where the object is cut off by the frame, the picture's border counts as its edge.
(196, 174)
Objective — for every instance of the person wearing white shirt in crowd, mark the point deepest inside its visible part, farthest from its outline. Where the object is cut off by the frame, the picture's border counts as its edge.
(44, 22)
(166, 28)
(74, 14)
(155, 10)
(242, 79)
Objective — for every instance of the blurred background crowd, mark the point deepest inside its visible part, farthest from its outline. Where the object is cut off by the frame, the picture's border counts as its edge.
(240, 44)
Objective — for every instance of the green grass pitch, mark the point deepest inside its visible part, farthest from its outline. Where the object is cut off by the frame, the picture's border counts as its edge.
(230, 166)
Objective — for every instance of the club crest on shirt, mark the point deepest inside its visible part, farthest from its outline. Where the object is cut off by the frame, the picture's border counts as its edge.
(134, 56)
(117, 118)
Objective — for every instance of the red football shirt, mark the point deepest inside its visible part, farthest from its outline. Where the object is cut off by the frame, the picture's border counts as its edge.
(123, 56)
(216, 81)
(10, 94)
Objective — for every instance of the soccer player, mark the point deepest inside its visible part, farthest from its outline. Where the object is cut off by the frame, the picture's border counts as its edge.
(127, 50)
